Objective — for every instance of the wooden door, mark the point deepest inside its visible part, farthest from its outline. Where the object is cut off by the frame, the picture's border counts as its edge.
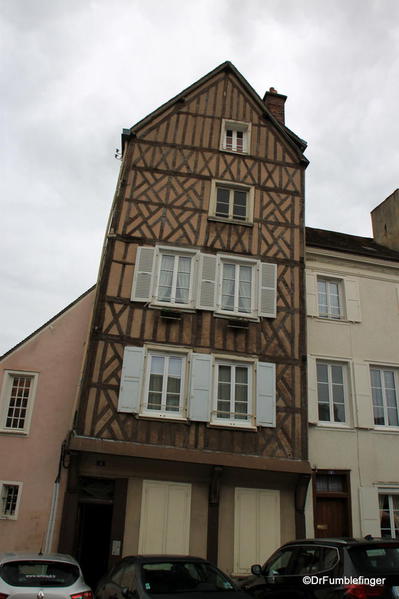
(331, 518)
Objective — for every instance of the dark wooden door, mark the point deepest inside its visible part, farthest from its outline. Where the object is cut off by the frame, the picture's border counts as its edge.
(331, 517)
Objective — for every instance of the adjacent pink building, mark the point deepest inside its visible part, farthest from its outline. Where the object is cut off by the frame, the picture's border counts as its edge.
(39, 379)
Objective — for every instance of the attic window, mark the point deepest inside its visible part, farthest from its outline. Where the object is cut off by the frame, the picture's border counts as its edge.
(235, 137)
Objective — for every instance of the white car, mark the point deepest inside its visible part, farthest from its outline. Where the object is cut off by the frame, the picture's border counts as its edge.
(41, 576)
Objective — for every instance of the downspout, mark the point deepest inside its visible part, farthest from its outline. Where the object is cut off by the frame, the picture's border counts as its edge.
(54, 503)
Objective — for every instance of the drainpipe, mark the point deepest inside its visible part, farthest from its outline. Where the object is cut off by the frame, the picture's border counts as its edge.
(54, 503)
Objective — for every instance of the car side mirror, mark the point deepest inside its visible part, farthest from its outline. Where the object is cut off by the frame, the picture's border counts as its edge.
(256, 570)
(128, 594)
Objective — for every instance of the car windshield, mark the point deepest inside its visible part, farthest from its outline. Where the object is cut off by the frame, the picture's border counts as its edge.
(376, 559)
(183, 577)
(39, 573)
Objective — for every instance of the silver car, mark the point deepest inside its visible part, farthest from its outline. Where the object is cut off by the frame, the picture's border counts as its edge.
(41, 576)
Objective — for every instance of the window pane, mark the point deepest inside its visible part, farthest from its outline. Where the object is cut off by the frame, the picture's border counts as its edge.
(166, 278)
(222, 202)
(225, 373)
(322, 373)
(157, 364)
(228, 286)
(18, 404)
(244, 300)
(240, 205)
(224, 391)
(324, 412)
(183, 280)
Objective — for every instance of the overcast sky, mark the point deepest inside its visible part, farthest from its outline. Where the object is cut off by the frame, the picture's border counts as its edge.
(75, 72)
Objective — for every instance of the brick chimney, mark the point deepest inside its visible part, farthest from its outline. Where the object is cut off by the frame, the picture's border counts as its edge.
(275, 104)
(385, 221)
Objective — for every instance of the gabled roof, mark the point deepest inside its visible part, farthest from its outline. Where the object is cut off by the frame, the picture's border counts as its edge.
(342, 242)
(46, 324)
(298, 144)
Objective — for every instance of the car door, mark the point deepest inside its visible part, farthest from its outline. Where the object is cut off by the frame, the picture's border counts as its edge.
(275, 578)
(120, 583)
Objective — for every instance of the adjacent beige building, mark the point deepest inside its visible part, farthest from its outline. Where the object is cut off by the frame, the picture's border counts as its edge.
(39, 379)
(353, 379)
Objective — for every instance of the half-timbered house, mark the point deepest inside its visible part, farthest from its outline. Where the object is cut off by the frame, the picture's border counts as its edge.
(191, 430)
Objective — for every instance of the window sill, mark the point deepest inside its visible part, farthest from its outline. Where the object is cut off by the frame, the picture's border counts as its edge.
(236, 317)
(333, 425)
(332, 320)
(233, 152)
(162, 416)
(385, 429)
(17, 433)
(231, 221)
(171, 308)
(232, 425)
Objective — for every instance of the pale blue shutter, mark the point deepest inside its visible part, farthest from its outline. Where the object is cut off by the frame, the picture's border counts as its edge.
(143, 275)
(132, 374)
(200, 388)
(207, 282)
(267, 289)
(266, 394)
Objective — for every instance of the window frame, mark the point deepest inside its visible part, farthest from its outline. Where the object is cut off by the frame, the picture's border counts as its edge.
(235, 126)
(144, 411)
(395, 372)
(176, 253)
(341, 298)
(250, 421)
(5, 399)
(390, 493)
(232, 187)
(237, 262)
(8, 483)
(346, 390)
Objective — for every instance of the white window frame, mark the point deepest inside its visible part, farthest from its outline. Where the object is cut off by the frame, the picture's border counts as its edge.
(250, 421)
(8, 380)
(329, 315)
(3, 485)
(390, 493)
(345, 377)
(395, 372)
(235, 126)
(177, 253)
(163, 413)
(236, 261)
(232, 187)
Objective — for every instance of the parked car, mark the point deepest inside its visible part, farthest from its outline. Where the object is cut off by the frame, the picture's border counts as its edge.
(328, 569)
(41, 576)
(143, 577)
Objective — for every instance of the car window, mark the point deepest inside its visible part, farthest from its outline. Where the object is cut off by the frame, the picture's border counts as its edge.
(312, 559)
(117, 574)
(128, 576)
(280, 563)
(183, 576)
(375, 559)
(39, 573)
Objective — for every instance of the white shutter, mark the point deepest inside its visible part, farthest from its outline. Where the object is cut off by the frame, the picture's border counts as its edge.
(266, 394)
(201, 385)
(313, 406)
(267, 289)
(143, 274)
(363, 398)
(132, 373)
(352, 299)
(369, 512)
(311, 294)
(207, 282)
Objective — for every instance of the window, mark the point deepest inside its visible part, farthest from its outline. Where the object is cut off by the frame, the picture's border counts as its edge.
(235, 136)
(331, 391)
(389, 515)
(198, 386)
(174, 280)
(383, 389)
(17, 400)
(229, 285)
(9, 499)
(165, 382)
(233, 393)
(231, 202)
(329, 298)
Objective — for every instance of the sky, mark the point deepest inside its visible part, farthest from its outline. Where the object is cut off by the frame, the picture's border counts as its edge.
(74, 73)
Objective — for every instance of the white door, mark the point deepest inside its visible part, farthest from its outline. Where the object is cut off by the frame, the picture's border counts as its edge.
(256, 526)
(165, 518)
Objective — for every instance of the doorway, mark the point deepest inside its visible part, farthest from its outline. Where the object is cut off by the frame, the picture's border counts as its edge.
(94, 540)
(331, 504)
